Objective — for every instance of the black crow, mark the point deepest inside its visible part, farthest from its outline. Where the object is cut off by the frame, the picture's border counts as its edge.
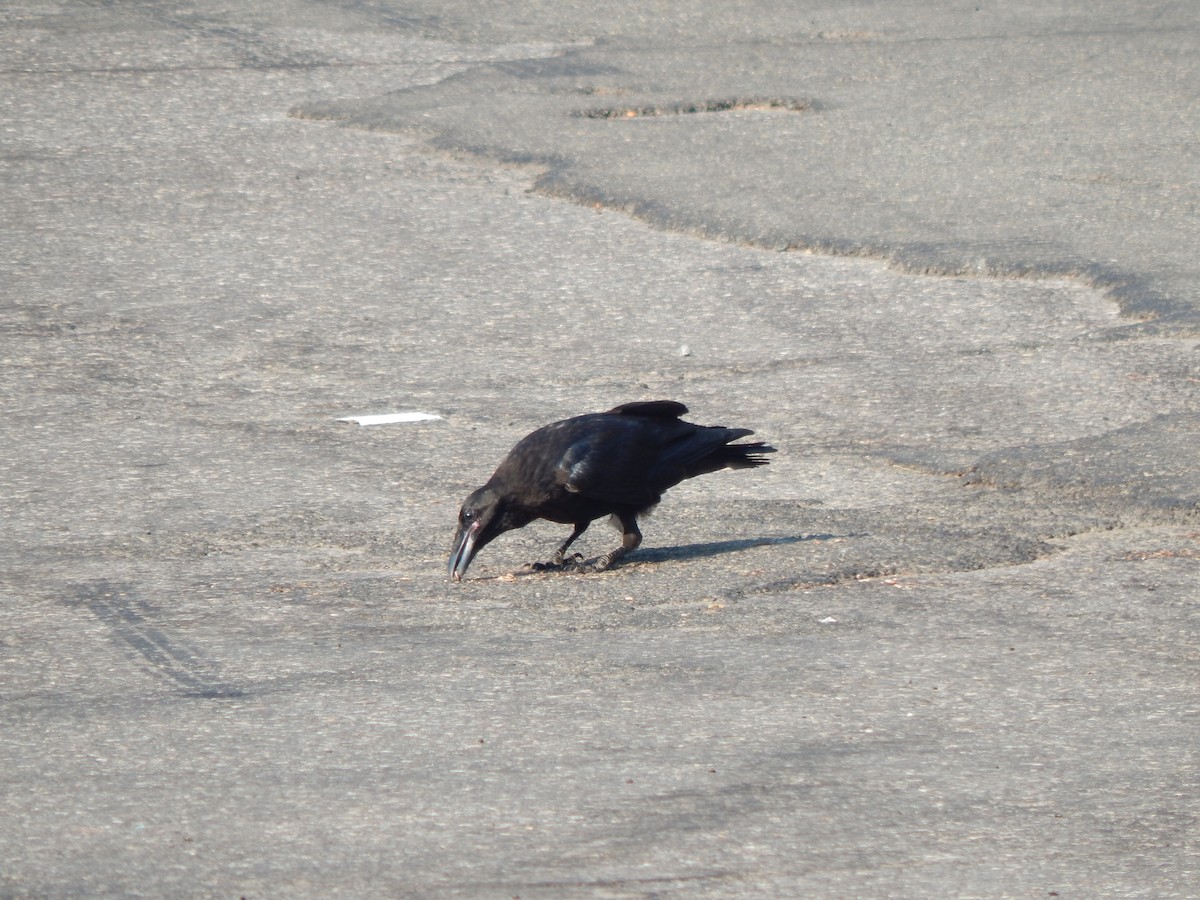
(614, 463)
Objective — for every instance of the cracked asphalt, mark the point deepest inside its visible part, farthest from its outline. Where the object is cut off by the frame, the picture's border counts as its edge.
(943, 259)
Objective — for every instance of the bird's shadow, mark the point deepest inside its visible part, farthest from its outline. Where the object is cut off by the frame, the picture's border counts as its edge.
(686, 551)
(716, 548)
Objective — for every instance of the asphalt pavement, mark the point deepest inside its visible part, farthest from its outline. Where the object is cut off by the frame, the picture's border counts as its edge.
(942, 257)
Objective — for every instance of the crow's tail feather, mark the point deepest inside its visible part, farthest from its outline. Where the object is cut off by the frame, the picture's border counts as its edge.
(746, 456)
(730, 456)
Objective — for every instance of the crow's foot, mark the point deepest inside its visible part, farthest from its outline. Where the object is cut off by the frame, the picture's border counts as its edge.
(599, 564)
(557, 563)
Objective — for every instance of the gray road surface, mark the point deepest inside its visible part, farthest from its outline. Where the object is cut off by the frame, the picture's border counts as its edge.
(945, 645)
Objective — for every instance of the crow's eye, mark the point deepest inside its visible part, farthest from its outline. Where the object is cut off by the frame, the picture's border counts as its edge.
(468, 515)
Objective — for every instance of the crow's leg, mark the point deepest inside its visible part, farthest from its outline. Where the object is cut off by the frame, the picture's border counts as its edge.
(556, 561)
(560, 553)
(631, 538)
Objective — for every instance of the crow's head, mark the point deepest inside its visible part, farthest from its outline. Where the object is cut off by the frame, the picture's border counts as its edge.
(485, 514)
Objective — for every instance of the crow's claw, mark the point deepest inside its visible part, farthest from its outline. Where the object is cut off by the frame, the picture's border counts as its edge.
(557, 563)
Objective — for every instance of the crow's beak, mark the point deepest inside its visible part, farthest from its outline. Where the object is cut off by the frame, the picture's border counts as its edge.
(464, 550)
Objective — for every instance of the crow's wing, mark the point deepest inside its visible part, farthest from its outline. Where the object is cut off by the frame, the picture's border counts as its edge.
(632, 461)
(665, 409)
